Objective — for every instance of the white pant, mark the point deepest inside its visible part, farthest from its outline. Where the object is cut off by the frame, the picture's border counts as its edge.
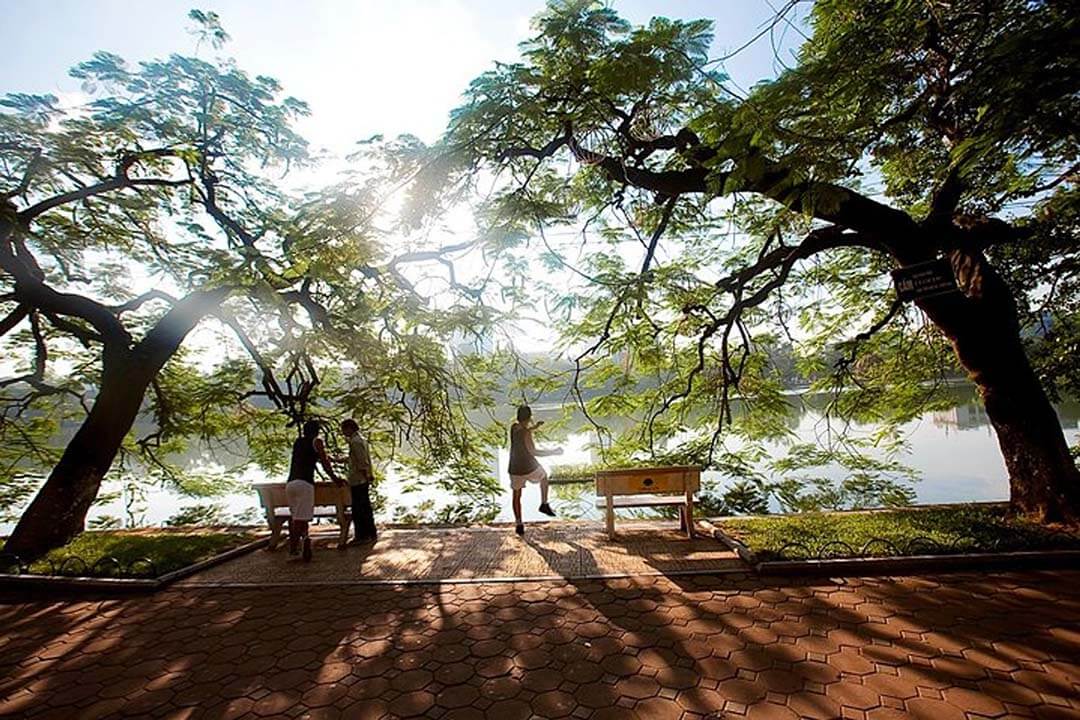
(539, 475)
(301, 497)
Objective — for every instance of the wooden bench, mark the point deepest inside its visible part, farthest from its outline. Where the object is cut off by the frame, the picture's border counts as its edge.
(649, 487)
(330, 501)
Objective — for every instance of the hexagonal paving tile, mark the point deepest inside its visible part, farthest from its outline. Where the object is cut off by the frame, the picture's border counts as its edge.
(879, 648)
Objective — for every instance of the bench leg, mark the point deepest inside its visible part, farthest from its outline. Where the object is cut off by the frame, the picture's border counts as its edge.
(688, 515)
(275, 531)
(610, 516)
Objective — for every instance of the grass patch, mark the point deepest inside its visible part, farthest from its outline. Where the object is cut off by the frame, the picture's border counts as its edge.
(891, 533)
(167, 550)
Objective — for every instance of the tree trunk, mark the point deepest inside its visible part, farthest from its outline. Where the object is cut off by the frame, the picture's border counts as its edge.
(58, 511)
(984, 329)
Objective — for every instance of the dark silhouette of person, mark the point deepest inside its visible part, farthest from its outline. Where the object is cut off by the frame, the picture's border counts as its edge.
(300, 489)
(360, 476)
(524, 467)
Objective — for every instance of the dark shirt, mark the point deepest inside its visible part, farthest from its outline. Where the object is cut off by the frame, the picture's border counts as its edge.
(304, 456)
(522, 461)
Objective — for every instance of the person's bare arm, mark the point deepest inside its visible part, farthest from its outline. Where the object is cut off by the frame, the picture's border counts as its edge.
(324, 460)
(533, 450)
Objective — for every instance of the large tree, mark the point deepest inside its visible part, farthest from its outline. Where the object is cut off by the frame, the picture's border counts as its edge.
(903, 133)
(158, 205)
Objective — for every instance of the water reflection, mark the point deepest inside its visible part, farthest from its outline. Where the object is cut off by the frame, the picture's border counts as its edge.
(954, 451)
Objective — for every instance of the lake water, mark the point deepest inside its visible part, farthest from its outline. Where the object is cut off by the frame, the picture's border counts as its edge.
(955, 452)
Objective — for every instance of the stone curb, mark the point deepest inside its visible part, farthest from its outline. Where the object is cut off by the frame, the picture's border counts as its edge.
(910, 564)
(745, 553)
(496, 580)
(65, 584)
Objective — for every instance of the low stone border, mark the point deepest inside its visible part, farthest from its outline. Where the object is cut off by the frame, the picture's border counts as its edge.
(902, 564)
(493, 580)
(908, 564)
(747, 555)
(66, 584)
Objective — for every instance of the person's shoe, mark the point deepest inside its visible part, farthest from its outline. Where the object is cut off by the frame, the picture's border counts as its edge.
(546, 509)
(294, 546)
(519, 529)
(307, 549)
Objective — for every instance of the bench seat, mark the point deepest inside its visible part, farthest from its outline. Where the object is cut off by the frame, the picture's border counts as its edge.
(623, 501)
(672, 486)
(330, 501)
(319, 511)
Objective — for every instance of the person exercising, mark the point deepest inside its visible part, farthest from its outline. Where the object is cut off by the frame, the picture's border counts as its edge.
(300, 489)
(524, 467)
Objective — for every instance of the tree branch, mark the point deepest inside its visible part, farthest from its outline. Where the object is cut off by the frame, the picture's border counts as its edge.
(36, 377)
(12, 319)
(117, 182)
(32, 292)
(829, 202)
(665, 218)
(269, 381)
(539, 153)
(162, 340)
(137, 302)
(319, 315)
(842, 364)
(84, 335)
(32, 166)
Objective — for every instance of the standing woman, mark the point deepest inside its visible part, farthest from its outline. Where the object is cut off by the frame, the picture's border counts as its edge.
(300, 490)
(524, 467)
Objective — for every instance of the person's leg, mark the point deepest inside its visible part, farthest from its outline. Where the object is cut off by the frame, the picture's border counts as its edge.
(367, 514)
(516, 502)
(544, 507)
(357, 521)
(294, 493)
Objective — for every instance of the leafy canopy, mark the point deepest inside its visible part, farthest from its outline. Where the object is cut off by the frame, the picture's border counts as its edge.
(165, 203)
(699, 233)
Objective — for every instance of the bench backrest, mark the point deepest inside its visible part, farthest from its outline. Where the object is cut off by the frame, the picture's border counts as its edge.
(653, 481)
(272, 495)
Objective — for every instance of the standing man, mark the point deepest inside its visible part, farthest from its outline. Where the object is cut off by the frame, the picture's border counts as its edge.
(360, 478)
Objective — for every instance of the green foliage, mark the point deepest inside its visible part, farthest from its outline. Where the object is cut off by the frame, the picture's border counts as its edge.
(666, 201)
(966, 528)
(204, 515)
(167, 550)
(172, 183)
(743, 497)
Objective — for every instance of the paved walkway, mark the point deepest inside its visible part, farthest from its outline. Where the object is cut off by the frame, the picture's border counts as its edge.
(692, 647)
(552, 549)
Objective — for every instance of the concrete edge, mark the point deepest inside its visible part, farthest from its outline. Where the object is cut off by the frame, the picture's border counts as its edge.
(77, 584)
(171, 577)
(464, 581)
(872, 511)
(907, 564)
(747, 555)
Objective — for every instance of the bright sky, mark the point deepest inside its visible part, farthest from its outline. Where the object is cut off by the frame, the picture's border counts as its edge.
(364, 66)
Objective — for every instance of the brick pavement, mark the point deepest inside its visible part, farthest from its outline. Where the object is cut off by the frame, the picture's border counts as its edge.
(691, 647)
(560, 549)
